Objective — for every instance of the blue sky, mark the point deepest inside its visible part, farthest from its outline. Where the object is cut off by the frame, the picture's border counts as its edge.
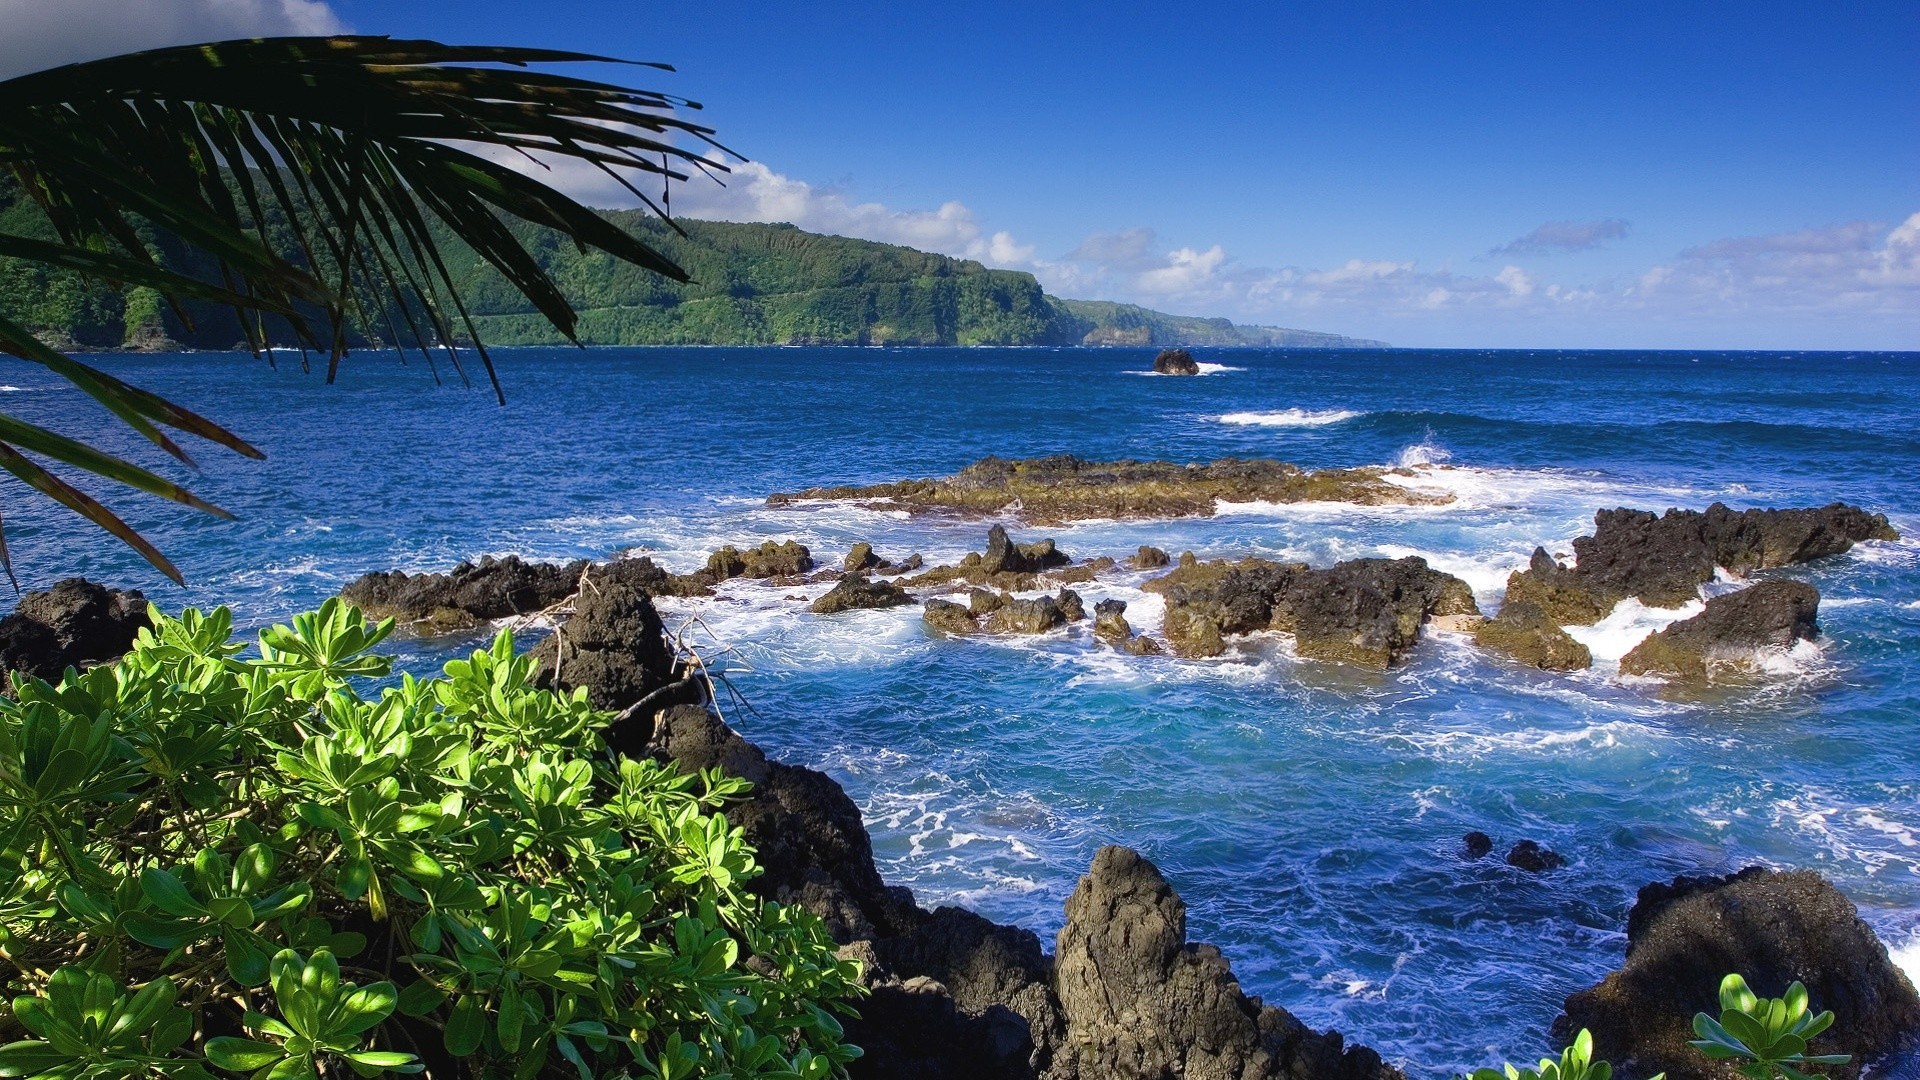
(1470, 173)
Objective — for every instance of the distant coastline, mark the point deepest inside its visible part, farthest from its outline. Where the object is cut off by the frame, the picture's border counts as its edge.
(753, 284)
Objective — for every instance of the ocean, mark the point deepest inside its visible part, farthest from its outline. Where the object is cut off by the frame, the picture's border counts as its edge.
(1310, 814)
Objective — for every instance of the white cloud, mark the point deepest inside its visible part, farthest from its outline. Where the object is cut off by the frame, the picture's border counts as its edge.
(1186, 271)
(1516, 281)
(37, 34)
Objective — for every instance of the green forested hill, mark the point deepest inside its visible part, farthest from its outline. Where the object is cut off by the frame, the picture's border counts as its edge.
(753, 284)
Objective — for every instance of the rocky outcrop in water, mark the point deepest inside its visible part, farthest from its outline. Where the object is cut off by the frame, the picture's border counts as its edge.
(1523, 632)
(1005, 565)
(1364, 611)
(614, 645)
(1110, 626)
(1530, 856)
(1175, 362)
(858, 592)
(1138, 1000)
(1772, 928)
(1060, 489)
(1731, 633)
(73, 624)
(1662, 560)
(1148, 558)
(957, 997)
(470, 594)
(787, 559)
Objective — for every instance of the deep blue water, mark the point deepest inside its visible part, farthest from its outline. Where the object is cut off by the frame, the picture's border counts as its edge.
(1309, 814)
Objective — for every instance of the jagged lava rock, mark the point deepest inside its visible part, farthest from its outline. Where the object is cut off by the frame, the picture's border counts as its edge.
(1524, 632)
(72, 624)
(1175, 362)
(769, 560)
(613, 644)
(1730, 633)
(1363, 611)
(860, 557)
(858, 591)
(1035, 616)
(1148, 558)
(1662, 560)
(1110, 622)
(1060, 489)
(642, 573)
(1770, 927)
(1139, 1001)
(948, 617)
(466, 596)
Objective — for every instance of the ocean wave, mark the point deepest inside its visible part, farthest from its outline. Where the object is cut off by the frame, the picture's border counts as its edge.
(1205, 369)
(1907, 957)
(1627, 625)
(1290, 417)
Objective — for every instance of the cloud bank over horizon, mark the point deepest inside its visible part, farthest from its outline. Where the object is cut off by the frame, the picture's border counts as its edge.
(1841, 279)
(47, 33)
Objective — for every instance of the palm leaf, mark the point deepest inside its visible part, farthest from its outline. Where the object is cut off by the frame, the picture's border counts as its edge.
(339, 147)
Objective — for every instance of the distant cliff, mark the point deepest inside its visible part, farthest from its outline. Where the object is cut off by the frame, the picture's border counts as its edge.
(754, 284)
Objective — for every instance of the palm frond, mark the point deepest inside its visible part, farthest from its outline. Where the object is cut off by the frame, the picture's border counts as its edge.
(306, 170)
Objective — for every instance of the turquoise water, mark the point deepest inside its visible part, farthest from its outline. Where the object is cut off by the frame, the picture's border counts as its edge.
(1309, 814)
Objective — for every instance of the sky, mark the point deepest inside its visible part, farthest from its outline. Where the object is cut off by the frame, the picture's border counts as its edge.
(1479, 173)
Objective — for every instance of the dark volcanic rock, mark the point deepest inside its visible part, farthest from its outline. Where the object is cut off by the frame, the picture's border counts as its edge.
(1364, 611)
(948, 617)
(641, 573)
(1531, 857)
(1663, 560)
(1478, 844)
(806, 831)
(1770, 927)
(1138, 1001)
(1524, 632)
(861, 557)
(1175, 362)
(856, 591)
(1110, 622)
(769, 560)
(1058, 489)
(1071, 605)
(1148, 558)
(613, 644)
(467, 596)
(75, 623)
(1003, 554)
(1026, 616)
(1730, 633)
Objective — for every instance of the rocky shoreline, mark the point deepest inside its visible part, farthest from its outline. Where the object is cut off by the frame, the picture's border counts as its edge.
(1125, 994)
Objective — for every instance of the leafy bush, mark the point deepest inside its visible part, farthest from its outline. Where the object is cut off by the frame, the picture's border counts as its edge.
(1768, 1036)
(1576, 1063)
(209, 862)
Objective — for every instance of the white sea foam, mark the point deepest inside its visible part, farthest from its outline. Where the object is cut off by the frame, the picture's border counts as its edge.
(1628, 625)
(1290, 417)
(1907, 957)
(1205, 369)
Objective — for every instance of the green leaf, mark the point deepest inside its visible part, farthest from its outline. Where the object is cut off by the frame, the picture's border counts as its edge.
(466, 1027)
(242, 1055)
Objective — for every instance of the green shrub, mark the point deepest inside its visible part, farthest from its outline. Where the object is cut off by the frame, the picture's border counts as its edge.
(1766, 1036)
(244, 865)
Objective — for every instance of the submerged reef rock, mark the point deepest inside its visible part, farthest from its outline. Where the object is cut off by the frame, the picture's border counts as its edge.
(769, 560)
(1139, 1001)
(857, 591)
(74, 624)
(1731, 634)
(1060, 489)
(1364, 611)
(1476, 845)
(469, 595)
(1175, 362)
(1770, 927)
(1530, 856)
(1524, 632)
(1663, 560)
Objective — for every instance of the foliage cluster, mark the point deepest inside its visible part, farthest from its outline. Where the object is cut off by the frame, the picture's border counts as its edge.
(244, 864)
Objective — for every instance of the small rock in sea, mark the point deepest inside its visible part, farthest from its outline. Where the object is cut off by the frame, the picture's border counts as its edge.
(1110, 622)
(861, 558)
(1149, 558)
(1071, 605)
(1731, 633)
(74, 623)
(986, 601)
(855, 591)
(1175, 362)
(1531, 857)
(788, 559)
(1027, 616)
(1479, 844)
(1142, 645)
(948, 617)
